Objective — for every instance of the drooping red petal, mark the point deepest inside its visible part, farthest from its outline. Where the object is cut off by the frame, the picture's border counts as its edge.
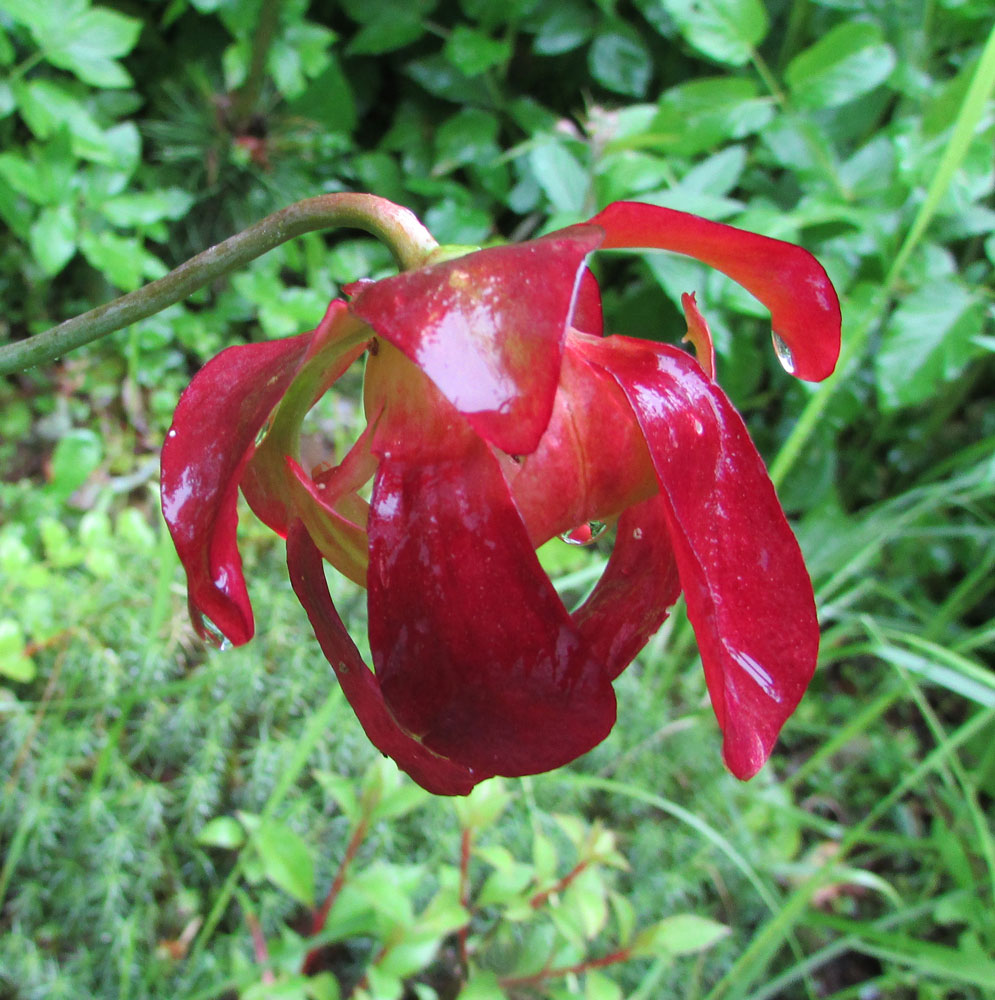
(438, 775)
(474, 651)
(211, 438)
(636, 591)
(337, 341)
(488, 329)
(789, 281)
(748, 594)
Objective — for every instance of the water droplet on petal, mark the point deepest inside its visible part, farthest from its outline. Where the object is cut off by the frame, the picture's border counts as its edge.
(584, 534)
(261, 433)
(214, 635)
(172, 432)
(784, 354)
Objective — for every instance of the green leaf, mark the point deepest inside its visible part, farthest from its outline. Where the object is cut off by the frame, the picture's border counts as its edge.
(386, 25)
(620, 61)
(75, 458)
(222, 831)
(563, 180)
(124, 262)
(145, 207)
(88, 42)
(563, 26)
(469, 136)
(53, 238)
(286, 859)
(926, 343)
(726, 30)
(14, 660)
(700, 115)
(683, 934)
(472, 52)
(849, 61)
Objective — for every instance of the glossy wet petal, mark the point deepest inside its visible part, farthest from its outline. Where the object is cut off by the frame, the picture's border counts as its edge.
(443, 777)
(636, 591)
(474, 651)
(488, 329)
(789, 281)
(748, 594)
(211, 438)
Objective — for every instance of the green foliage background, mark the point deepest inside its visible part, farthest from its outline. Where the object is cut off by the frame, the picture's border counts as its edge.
(170, 815)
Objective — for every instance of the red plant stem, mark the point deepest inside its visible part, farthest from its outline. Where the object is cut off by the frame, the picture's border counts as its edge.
(321, 916)
(259, 948)
(466, 843)
(612, 958)
(540, 897)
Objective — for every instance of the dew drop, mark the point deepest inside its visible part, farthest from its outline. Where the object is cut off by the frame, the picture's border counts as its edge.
(172, 432)
(214, 635)
(784, 354)
(584, 534)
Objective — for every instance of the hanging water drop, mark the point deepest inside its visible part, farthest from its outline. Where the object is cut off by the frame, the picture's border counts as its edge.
(584, 534)
(214, 635)
(784, 354)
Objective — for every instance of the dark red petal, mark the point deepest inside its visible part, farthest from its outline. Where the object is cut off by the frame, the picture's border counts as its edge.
(488, 329)
(636, 590)
(213, 432)
(748, 594)
(474, 651)
(307, 575)
(587, 316)
(789, 281)
(591, 463)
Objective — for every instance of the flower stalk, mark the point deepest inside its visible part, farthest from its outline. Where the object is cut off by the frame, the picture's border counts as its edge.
(394, 225)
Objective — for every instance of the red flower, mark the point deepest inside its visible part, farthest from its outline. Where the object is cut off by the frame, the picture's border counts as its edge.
(498, 417)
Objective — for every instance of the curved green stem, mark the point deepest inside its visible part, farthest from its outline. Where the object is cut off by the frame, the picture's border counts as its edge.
(397, 227)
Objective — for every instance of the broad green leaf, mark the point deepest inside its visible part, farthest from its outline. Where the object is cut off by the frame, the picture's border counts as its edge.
(386, 25)
(726, 30)
(470, 136)
(699, 115)
(88, 44)
(620, 61)
(124, 262)
(15, 663)
(76, 456)
(7, 99)
(142, 208)
(926, 343)
(472, 52)
(564, 181)
(844, 64)
(46, 106)
(53, 238)
(683, 934)
(329, 100)
(222, 831)
(561, 26)
(286, 859)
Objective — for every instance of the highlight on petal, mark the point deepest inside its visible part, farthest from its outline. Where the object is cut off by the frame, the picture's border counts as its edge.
(307, 575)
(789, 281)
(748, 594)
(211, 438)
(487, 328)
(473, 649)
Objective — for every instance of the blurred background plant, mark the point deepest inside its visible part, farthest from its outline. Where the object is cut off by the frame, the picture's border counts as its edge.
(173, 819)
